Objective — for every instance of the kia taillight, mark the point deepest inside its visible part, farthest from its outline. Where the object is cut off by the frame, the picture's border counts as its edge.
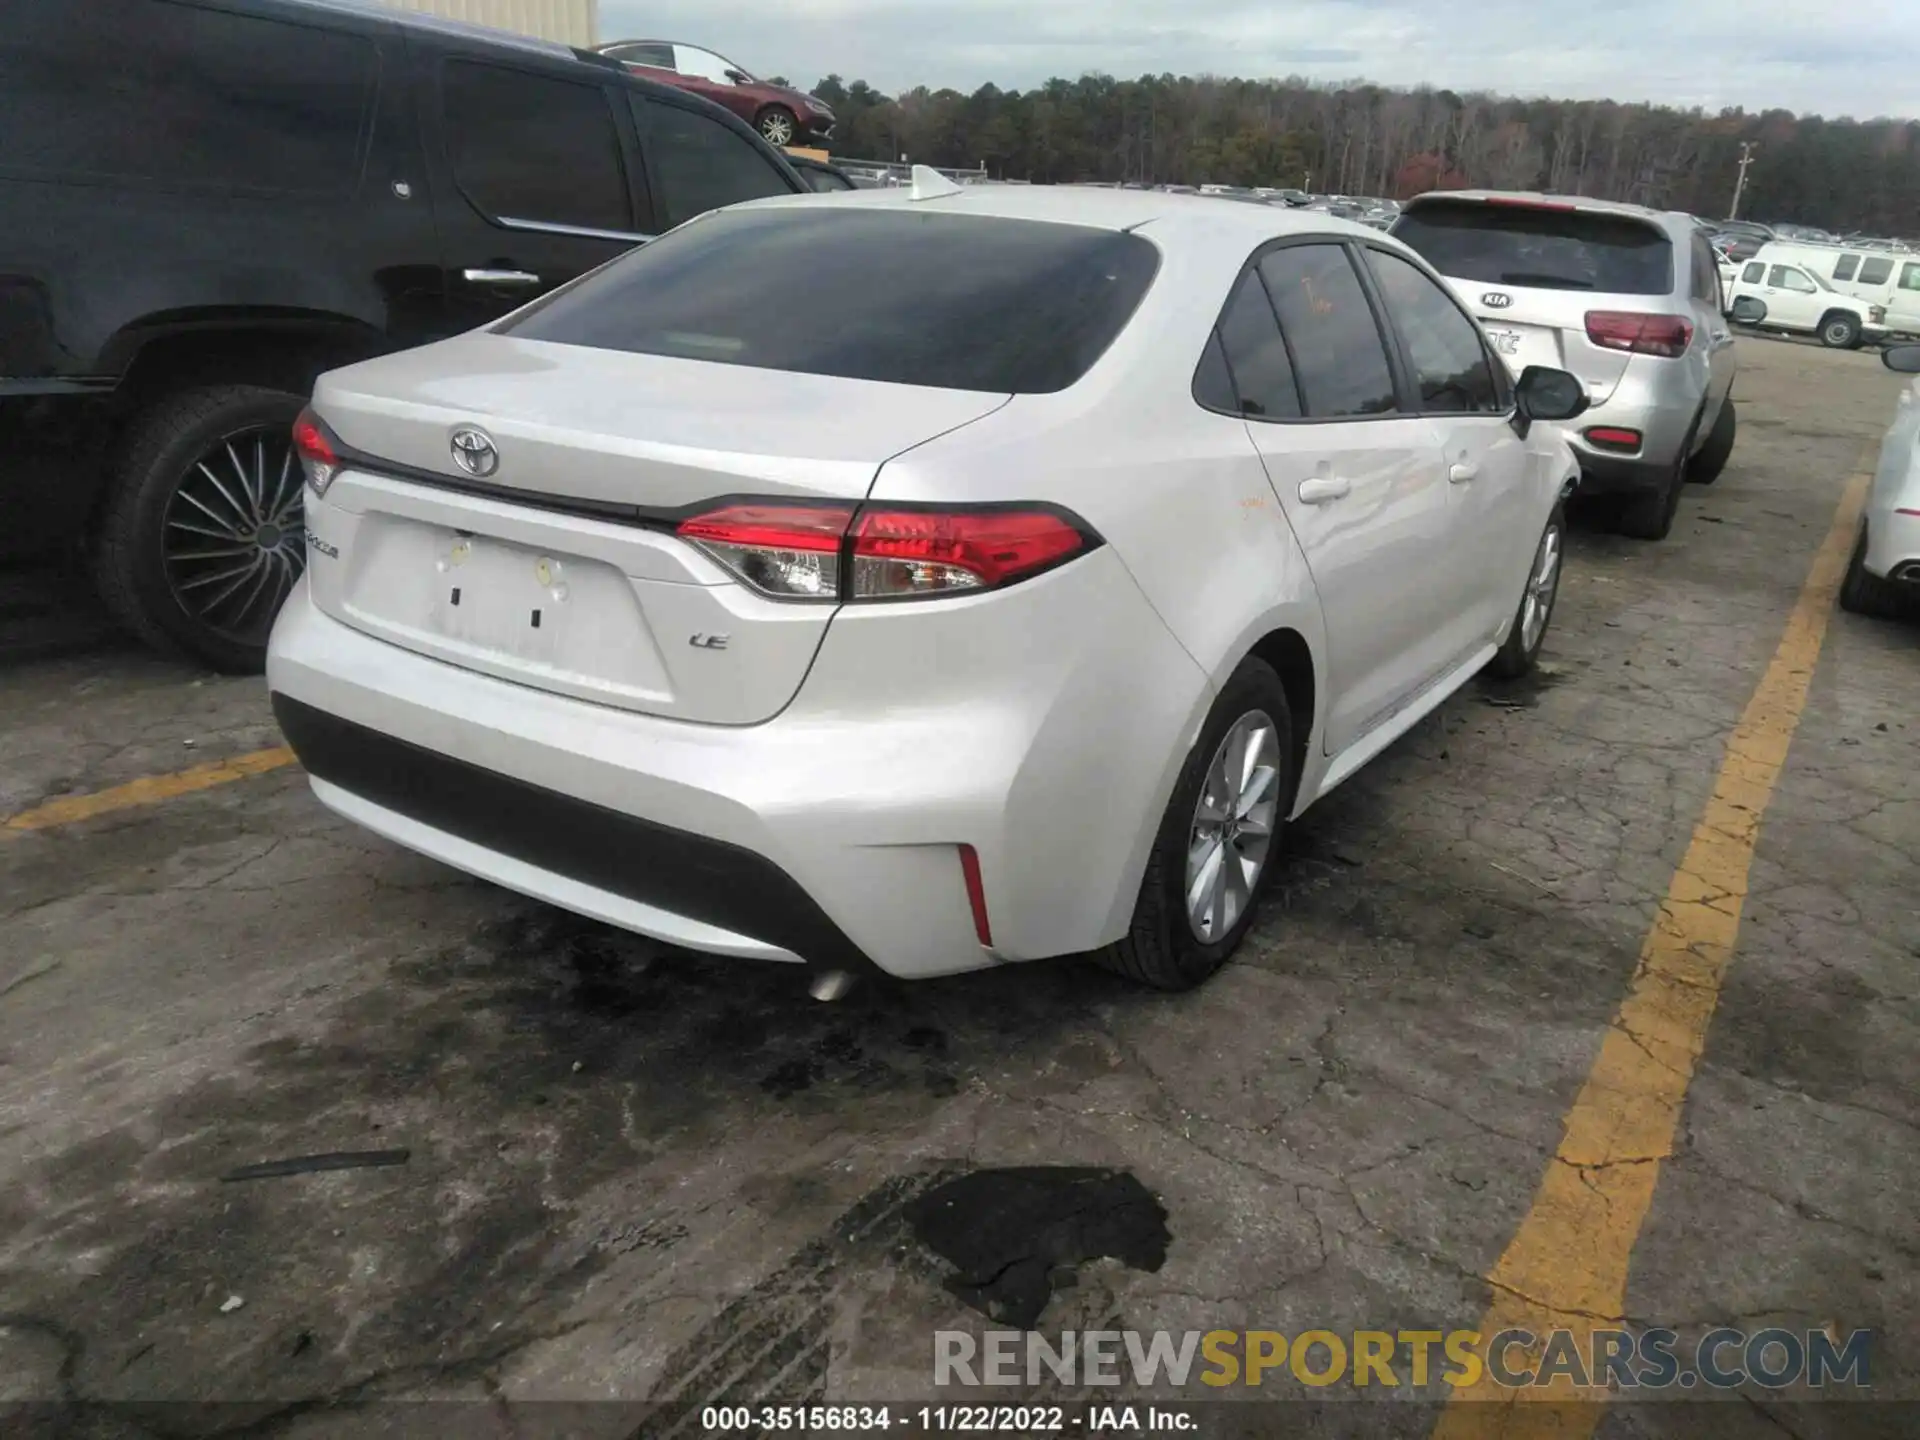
(796, 551)
(1667, 335)
(318, 452)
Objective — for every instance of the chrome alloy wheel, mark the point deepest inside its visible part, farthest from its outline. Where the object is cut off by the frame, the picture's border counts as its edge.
(234, 540)
(777, 128)
(1543, 582)
(1233, 823)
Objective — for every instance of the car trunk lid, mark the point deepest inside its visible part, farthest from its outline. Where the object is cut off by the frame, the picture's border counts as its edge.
(1532, 271)
(550, 558)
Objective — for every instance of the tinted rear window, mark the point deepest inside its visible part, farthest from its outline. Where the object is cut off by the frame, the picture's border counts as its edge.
(960, 302)
(1544, 249)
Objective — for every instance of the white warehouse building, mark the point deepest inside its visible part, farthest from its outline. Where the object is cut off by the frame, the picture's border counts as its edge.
(572, 22)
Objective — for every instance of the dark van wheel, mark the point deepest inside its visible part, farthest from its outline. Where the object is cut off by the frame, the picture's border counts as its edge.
(1529, 629)
(1840, 331)
(1705, 467)
(777, 125)
(1219, 840)
(201, 537)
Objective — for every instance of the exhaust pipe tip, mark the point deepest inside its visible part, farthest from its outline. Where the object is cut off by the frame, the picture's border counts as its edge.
(830, 985)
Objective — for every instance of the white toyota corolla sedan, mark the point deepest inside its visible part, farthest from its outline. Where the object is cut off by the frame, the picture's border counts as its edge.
(1883, 577)
(927, 578)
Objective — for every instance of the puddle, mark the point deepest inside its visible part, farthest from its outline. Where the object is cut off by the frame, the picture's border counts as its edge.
(1014, 1235)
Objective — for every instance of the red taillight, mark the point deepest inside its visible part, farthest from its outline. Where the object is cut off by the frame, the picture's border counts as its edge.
(1667, 335)
(788, 551)
(976, 894)
(1609, 437)
(901, 553)
(802, 551)
(314, 445)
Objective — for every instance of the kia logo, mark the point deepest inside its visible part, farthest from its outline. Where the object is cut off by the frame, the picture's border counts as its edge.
(473, 452)
(1494, 300)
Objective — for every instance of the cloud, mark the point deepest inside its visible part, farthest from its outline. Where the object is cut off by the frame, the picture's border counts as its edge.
(1760, 54)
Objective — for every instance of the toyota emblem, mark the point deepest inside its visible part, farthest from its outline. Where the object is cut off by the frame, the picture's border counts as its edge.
(1494, 300)
(473, 452)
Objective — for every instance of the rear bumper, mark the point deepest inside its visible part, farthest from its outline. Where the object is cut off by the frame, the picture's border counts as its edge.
(1659, 399)
(1040, 728)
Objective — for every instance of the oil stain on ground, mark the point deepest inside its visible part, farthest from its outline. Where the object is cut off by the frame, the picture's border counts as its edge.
(1012, 1235)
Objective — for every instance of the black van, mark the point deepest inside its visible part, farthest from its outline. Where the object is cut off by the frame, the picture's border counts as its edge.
(206, 203)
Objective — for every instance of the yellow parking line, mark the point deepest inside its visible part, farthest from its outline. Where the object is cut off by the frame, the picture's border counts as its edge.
(149, 790)
(1566, 1268)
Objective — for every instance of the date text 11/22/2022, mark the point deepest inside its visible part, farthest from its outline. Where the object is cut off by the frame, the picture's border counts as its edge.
(946, 1419)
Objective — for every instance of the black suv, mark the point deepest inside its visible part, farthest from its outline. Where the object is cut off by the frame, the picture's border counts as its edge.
(206, 203)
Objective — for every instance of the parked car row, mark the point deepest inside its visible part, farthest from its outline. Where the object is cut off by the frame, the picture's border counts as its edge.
(202, 209)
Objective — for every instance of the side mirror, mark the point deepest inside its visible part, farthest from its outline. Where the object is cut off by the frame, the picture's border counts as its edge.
(737, 77)
(1543, 393)
(1904, 358)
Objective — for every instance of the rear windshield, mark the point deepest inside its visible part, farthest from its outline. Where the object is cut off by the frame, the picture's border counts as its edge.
(1544, 249)
(960, 302)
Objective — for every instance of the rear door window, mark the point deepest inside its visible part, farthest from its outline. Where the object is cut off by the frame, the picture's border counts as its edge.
(643, 52)
(1331, 332)
(1450, 364)
(535, 148)
(1876, 270)
(1535, 247)
(1910, 276)
(1845, 266)
(697, 164)
(180, 95)
(958, 302)
(1753, 274)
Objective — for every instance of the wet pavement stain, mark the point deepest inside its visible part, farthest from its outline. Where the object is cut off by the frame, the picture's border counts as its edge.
(1015, 1235)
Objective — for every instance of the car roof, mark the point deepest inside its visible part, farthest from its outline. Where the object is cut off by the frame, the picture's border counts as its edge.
(1101, 208)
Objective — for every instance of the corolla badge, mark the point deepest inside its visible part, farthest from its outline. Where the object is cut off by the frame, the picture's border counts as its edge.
(473, 452)
(1495, 300)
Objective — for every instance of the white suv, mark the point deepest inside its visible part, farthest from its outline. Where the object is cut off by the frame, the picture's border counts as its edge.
(925, 578)
(1772, 294)
(1626, 298)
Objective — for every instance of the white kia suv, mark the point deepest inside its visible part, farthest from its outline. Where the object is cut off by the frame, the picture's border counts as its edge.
(1626, 298)
(925, 579)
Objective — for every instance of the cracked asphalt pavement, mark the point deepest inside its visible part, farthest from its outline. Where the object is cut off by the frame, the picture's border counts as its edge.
(640, 1175)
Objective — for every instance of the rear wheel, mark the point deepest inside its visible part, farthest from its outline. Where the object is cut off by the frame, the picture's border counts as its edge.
(1706, 466)
(1865, 593)
(202, 535)
(1649, 516)
(1839, 331)
(1217, 842)
(1529, 629)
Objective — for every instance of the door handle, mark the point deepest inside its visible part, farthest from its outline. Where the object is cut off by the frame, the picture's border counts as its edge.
(1461, 473)
(500, 277)
(1320, 490)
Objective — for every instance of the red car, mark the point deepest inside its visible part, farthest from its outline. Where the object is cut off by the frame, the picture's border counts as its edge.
(782, 115)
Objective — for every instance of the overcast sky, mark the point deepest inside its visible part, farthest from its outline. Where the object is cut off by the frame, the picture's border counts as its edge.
(1859, 58)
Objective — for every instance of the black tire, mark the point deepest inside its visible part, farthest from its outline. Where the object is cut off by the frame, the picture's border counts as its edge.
(1839, 331)
(778, 126)
(1516, 656)
(1649, 516)
(1864, 593)
(1160, 949)
(1705, 467)
(131, 560)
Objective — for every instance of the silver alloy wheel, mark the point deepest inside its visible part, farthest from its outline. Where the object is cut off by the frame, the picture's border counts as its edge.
(234, 540)
(1232, 827)
(1543, 582)
(777, 127)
